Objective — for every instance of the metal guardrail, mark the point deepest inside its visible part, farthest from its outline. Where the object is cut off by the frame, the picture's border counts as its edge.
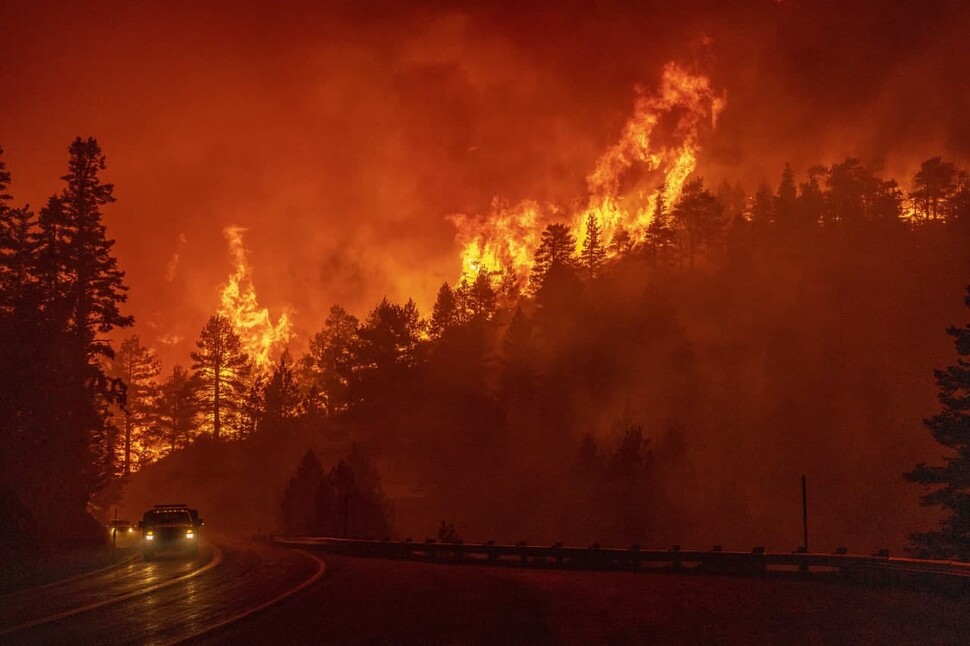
(879, 568)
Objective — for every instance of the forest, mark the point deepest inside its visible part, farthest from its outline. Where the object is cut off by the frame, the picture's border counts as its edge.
(661, 386)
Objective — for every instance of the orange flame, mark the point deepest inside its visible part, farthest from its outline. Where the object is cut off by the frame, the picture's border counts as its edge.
(261, 339)
(659, 145)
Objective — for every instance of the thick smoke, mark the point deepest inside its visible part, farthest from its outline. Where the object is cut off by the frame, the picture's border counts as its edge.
(342, 137)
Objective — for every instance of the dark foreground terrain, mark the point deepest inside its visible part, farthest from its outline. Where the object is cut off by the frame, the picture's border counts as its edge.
(377, 601)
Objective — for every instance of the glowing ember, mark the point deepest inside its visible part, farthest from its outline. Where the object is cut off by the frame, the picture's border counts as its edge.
(260, 337)
(658, 146)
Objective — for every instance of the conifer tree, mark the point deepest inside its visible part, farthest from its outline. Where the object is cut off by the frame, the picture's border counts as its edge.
(221, 370)
(593, 254)
(331, 359)
(698, 215)
(176, 409)
(556, 248)
(660, 238)
(482, 299)
(137, 367)
(785, 201)
(96, 283)
(444, 316)
(299, 498)
(621, 244)
(281, 397)
(951, 482)
(934, 187)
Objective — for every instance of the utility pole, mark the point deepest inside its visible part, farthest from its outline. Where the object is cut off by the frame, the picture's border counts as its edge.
(804, 515)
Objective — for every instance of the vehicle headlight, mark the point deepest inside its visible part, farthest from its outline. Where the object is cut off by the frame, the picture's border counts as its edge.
(131, 529)
(189, 533)
(149, 536)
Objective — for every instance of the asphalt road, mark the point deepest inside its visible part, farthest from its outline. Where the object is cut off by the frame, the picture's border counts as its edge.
(157, 602)
(369, 601)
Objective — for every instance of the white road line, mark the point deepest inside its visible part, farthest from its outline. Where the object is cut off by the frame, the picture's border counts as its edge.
(213, 562)
(52, 584)
(321, 570)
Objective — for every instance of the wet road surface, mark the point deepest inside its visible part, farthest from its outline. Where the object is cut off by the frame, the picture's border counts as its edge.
(371, 601)
(157, 602)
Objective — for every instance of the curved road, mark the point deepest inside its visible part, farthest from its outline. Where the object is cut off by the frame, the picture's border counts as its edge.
(158, 602)
(370, 601)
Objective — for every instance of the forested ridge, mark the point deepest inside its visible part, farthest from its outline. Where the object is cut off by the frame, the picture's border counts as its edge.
(664, 391)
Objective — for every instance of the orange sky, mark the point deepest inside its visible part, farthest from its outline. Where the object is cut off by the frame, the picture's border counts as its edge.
(341, 136)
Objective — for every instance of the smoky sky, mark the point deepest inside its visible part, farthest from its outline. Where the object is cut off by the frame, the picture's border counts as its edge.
(342, 135)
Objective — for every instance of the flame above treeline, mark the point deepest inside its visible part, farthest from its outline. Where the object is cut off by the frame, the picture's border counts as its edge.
(261, 338)
(657, 148)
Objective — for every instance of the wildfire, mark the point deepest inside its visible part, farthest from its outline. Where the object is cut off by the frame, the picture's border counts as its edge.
(658, 147)
(261, 339)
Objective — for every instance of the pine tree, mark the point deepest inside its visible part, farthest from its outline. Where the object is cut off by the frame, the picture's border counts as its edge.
(299, 497)
(137, 367)
(56, 391)
(96, 283)
(281, 397)
(176, 409)
(660, 238)
(221, 368)
(482, 299)
(785, 201)
(17, 251)
(934, 186)
(950, 482)
(621, 244)
(593, 254)
(444, 316)
(698, 215)
(330, 360)
(556, 248)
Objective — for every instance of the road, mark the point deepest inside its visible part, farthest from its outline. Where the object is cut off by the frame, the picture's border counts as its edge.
(158, 602)
(360, 600)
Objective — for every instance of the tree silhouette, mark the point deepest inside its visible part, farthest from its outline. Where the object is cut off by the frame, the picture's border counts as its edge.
(444, 315)
(481, 298)
(137, 367)
(176, 409)
(96, 283)
(556, 248)
(331, 359)
(934, 187)
(282, 396)
(299, 497)
(385, 350)
(622, 243)
(660, 237)
(698, 214)
(950, 482)
(221, 368)
(593, 255)
(786, 200)
(61, 289)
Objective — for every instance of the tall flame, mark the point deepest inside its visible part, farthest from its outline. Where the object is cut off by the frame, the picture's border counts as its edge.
(261, 339)
(658, 146)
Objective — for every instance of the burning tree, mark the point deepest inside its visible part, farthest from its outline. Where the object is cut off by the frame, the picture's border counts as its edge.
(950, 482)
(136, 366)
(221, 368)
(176, 409)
